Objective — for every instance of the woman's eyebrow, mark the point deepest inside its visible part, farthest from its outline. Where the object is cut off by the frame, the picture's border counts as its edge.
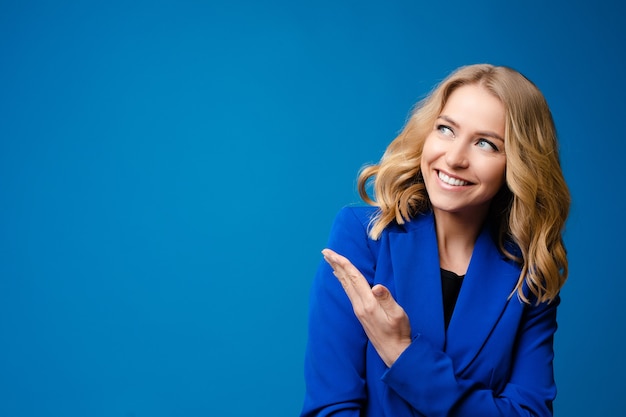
(491, 135)
(449, 120)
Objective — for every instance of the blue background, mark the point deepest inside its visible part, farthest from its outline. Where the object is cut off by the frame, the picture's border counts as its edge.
(169, 171)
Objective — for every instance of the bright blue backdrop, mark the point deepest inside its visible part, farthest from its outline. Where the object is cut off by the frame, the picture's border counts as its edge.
(169, 171)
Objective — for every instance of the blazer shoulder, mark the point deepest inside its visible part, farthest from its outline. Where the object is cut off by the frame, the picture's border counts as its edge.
(364, 216)
(357, 215)
(349, 234)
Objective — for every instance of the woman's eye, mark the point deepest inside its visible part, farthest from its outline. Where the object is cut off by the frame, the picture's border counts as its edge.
(485, 144)
(446, 130)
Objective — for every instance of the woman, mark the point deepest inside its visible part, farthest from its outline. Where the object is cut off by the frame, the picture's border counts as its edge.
(444, 295)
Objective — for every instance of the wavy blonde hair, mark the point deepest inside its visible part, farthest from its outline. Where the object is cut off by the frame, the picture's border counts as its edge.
(528, 213)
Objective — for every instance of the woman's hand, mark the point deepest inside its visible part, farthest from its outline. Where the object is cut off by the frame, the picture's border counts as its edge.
(384, 321)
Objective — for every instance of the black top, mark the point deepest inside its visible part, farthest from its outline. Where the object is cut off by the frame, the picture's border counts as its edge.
(450, 286)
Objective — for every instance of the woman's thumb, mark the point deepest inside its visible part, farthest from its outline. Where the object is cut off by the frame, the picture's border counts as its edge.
(380, 292)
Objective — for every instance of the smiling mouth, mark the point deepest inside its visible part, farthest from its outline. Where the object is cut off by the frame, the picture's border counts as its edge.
(451, 181)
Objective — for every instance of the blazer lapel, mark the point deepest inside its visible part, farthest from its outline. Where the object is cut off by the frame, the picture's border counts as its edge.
(417, 279)
(485, 292)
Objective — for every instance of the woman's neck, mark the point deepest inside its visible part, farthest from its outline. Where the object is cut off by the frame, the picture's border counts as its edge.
(456, 236)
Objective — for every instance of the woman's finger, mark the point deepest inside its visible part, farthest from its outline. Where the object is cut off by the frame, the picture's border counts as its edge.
(353, 282)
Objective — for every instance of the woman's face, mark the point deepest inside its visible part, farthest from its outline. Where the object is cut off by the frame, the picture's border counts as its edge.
(464, 160)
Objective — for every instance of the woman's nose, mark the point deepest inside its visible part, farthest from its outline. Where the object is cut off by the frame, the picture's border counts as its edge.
(456, 155)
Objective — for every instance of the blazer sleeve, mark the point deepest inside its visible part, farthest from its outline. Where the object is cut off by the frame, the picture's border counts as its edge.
(335, 354)
(425, 377)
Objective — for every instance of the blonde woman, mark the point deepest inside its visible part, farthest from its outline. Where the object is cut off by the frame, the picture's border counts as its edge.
(440, 298)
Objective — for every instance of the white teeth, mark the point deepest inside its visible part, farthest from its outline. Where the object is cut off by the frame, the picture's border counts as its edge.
(451, 181)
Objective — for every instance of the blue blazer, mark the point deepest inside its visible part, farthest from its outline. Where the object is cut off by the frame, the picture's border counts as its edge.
(495, 359)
